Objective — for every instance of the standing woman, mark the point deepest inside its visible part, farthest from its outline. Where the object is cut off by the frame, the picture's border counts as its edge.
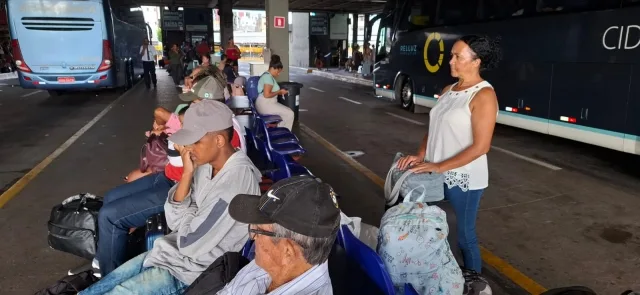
(268, 91)
(175, 62)
(233, 54)
(460, 131)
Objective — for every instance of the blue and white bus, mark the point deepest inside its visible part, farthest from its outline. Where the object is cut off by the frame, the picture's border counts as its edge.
(62, 45)
(570, 67)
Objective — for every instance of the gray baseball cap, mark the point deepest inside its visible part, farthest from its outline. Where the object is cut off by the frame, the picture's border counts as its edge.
(200, 118)
(206, 88)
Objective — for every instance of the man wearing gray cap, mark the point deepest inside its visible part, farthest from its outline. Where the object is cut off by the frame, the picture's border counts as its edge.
(196, 209)
(207, 87)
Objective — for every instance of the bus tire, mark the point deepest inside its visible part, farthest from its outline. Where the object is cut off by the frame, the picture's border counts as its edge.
(127, 76)
(404, 91)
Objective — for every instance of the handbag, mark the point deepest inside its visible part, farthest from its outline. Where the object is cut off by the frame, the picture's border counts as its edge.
(417, 187)
(73, 225)
(153, 154)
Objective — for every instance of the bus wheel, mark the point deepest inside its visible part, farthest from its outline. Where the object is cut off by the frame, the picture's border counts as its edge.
(132, 75)
(405, 92)
(127, 84)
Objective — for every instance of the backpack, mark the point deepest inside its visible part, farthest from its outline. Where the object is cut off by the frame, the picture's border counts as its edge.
(73, 225)
(153, 154)
(70, 285)
(218, 274)
(412, 244)
(429, 187)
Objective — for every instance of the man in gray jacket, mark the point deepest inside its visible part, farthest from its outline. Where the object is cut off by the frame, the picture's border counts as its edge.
(196, 209)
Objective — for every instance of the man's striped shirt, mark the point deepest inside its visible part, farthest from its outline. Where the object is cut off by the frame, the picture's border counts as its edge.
(253, 280)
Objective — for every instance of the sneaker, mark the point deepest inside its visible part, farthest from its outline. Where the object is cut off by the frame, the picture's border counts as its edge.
(95, 266)
(475, 284)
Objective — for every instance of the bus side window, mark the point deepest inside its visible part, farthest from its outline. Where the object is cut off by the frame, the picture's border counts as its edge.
(454, 12)
(546, 6)
(501, 9)
(381, 43)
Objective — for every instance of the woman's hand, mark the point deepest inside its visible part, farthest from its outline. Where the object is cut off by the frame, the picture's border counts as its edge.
(283, 92)
(425, 167)
(407, 161)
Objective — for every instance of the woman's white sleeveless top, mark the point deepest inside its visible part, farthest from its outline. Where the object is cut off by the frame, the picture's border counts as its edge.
(450, 132)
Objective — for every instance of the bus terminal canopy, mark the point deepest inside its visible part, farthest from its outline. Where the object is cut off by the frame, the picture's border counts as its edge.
(341, 6)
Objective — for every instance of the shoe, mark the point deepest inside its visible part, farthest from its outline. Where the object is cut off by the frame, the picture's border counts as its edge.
(95, 266)
(475, 284)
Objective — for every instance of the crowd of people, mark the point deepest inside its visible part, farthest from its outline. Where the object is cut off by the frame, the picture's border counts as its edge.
(209, 189)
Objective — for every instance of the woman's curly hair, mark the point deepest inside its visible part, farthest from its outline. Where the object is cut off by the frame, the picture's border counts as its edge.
(486, 49)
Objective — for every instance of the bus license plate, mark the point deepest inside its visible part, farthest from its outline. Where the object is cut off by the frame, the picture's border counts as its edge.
(66, 79)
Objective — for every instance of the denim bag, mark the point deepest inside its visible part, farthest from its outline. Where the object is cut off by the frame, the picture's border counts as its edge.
(428, 187)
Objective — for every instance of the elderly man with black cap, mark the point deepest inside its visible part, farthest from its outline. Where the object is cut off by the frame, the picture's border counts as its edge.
(294, 226)
(196, 209)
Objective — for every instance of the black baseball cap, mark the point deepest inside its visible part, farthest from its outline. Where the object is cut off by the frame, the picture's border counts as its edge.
(303, 204)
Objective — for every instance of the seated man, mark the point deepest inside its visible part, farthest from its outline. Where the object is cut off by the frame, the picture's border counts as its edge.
(294, 226)
(129, 205)
(212, 88)
(196, 209)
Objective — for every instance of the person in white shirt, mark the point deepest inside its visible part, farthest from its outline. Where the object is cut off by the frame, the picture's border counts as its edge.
(460, 131)
(294, 226)
(149, 53)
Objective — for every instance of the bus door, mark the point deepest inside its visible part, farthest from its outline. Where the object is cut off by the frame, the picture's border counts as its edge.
(59, 37)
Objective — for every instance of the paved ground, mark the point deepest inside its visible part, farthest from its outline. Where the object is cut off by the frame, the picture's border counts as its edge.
(34, 125)
(572, 226)
(577, 225)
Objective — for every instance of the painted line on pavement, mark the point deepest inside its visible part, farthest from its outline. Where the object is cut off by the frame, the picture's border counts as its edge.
(489, 258)
(349, 100)
(406, 119)
(316, 89)
(525, 158)
(17, 187)
(32, 93)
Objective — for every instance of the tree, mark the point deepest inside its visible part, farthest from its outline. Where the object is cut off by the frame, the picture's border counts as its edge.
(159, 34)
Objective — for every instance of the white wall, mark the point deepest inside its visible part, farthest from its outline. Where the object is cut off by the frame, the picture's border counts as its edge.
(299, 40)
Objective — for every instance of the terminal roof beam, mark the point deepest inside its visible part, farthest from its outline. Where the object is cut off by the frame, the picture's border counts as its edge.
(338, 6)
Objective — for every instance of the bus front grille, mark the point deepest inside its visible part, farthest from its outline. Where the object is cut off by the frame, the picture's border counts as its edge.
(58, 23)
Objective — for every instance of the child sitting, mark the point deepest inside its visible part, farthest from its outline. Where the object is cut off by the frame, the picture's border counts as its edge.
(165, 122)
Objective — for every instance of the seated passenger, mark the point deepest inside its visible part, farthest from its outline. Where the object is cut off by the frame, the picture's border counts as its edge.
(164, 122)
(268, 91)
(196, 209)
(292, 245)
(128, 206)
(210, 88)
(202, 72)
(237, 88)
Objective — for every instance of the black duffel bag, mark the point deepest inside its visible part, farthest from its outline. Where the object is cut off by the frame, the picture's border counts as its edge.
(73, 225)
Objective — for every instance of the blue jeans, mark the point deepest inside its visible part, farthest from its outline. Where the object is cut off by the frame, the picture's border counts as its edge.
(133, 278)
(466, 205)
(124, 207)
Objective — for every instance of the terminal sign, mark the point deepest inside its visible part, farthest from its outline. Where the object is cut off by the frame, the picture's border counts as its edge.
(278, 22)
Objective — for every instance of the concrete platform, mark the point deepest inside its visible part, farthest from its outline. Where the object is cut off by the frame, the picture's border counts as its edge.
(96, 162)
(108, 150)
(559, 212)
(538, 226)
